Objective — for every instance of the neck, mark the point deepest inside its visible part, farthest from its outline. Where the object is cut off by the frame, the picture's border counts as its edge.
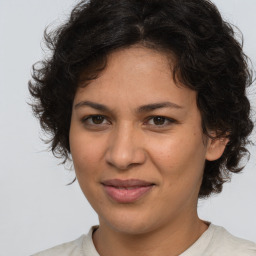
(172, 239)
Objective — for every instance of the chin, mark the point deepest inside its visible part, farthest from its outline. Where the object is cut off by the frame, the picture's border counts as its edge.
(130, 228)
(129, 222)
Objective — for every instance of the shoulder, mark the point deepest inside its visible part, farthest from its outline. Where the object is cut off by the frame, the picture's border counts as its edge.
(225, 244)
(66, 249)
(83, 246)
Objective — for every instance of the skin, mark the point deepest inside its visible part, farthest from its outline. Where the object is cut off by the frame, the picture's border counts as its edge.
(124, 143)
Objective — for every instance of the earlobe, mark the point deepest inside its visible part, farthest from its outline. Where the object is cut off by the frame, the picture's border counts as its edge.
(215, 148)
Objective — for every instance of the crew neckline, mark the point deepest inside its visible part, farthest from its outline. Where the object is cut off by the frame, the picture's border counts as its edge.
(200, 244)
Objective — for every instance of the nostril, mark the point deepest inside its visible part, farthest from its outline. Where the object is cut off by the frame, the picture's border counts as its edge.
(124, 150)
(121, 166)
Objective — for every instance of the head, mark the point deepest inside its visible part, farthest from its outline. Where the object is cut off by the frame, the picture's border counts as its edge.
(203, 56)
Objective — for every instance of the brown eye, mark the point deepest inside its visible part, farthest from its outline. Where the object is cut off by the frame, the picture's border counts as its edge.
(159, 120)
(97, 119)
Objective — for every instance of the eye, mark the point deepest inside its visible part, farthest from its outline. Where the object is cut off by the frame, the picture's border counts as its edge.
(160, 121)
(95, 120)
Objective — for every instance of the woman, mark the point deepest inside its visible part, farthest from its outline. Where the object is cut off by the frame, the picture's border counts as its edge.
(148, 99)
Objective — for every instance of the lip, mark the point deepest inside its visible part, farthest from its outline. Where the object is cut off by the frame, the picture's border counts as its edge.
(126, 191)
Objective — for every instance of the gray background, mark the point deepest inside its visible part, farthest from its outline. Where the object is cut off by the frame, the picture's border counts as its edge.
(37, 209)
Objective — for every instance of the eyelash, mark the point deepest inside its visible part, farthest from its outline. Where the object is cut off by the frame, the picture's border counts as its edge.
(166, 119)
(84, 120)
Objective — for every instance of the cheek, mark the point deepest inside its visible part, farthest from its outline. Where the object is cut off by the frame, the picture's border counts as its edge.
(86, 151)
(86, 156)
(180, 156)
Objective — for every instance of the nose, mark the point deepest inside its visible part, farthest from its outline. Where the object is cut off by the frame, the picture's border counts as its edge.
(125, 148)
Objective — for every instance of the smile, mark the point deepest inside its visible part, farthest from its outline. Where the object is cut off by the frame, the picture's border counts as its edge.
(126, 191)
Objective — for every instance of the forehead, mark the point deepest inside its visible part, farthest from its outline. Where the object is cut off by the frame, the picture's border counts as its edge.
(137, 75)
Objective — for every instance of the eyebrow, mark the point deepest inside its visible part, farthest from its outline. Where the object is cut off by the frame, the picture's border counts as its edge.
(91, 104)
(141, 109)
(154, 106)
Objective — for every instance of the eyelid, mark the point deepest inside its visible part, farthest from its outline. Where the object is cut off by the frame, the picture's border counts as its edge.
(86, 118)
(170, 120)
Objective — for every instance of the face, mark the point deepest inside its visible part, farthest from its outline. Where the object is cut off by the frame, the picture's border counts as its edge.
(137, 143)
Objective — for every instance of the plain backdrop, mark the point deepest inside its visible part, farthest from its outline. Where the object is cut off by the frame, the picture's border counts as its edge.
(37, 209)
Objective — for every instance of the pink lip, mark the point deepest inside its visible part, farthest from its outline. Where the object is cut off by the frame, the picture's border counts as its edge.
(126, 191)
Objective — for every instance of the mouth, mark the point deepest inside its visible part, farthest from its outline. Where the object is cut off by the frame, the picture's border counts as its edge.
(126, 191)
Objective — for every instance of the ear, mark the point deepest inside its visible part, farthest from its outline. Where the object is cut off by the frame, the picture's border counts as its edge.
(215, 148)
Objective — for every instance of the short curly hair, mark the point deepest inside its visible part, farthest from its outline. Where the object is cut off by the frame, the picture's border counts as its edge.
(209, 60)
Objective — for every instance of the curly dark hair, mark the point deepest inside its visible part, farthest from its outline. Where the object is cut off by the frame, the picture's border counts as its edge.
(209, 60)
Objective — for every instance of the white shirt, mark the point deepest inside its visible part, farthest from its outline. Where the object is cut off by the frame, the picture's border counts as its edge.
(215, 241)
